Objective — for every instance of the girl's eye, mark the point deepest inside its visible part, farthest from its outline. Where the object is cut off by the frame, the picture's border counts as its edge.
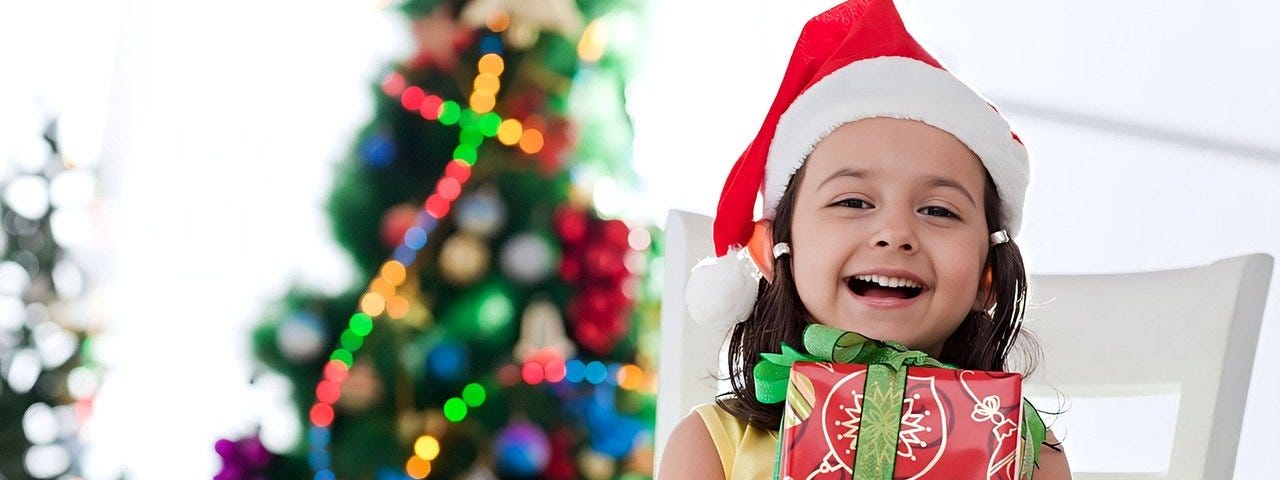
(851, 203)
(933, 210)
(944, 211)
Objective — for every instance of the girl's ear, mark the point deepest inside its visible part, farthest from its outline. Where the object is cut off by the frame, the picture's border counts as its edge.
(986, 297)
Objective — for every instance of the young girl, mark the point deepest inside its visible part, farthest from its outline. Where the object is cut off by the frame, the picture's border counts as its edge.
(891, 193)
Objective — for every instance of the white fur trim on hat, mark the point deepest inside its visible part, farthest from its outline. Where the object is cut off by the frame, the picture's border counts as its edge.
(904, 88)
(722, 290)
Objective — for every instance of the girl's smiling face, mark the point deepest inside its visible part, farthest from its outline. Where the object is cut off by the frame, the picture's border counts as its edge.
(891, 194)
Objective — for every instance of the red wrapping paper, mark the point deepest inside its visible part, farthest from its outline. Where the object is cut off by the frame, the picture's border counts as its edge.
(955, 424)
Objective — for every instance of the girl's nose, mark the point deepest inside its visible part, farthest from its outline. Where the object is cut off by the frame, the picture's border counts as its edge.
(895, 233)
(905, 245)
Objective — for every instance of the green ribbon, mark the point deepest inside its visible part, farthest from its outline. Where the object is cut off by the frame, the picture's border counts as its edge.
(1033, 435)
(827, 344)
(882, 404)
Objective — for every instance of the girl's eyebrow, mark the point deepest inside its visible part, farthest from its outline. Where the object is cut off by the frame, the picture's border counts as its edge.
(931, 181)
(850, 173)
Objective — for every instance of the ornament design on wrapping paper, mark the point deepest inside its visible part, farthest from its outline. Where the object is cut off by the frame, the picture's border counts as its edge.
(925, 422)
(850, 424)
(911, 427)
(987, 409)
(923, 425)
(800, 398)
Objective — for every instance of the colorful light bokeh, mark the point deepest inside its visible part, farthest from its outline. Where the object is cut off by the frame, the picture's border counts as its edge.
(478, 121)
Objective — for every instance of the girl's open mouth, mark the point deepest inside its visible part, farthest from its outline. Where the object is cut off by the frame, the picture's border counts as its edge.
(877, 295)
(864, 288)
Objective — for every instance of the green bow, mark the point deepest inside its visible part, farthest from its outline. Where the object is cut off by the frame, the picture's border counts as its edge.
(827, 344)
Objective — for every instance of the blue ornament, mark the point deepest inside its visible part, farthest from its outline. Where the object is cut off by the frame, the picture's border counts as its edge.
(522, 449)
(617, 438)
(378, 150)
(612, 433)
(447, 361)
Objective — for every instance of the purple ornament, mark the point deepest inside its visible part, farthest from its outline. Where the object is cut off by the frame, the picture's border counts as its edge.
(242, 459)
(225, 448)
(522, 449)
(230, 472)
(254, 453)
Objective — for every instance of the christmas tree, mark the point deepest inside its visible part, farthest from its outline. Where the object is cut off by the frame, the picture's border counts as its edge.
(505, 323)
(48, 378)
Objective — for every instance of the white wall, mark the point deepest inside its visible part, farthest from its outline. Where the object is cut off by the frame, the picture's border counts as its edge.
(1154, 128)
(225, 121)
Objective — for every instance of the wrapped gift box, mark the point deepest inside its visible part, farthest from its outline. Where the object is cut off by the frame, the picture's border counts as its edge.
(845, 421)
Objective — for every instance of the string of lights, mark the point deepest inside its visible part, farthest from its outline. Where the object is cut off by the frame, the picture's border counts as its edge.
(382, 298)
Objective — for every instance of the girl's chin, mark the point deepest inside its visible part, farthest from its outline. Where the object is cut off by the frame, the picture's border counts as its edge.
(877, 330)
(891, 326)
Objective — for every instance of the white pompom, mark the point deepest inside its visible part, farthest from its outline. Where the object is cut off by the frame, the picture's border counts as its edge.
(722, 290)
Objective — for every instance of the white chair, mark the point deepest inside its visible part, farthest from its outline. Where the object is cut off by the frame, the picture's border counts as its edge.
(1190, 333)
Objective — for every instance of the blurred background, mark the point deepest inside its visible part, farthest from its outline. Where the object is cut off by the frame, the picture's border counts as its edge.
(200, 202)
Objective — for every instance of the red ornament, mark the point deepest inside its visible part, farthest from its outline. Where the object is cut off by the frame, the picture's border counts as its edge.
(598, 316)
(616, 234)
(570, 269)
(395, 222)
(561, 466)
(603, 262)
(570, 225)
(599, 338)
(594, 260)
(592, 338)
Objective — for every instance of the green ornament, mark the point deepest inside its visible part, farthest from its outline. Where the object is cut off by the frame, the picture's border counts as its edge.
(484, 314)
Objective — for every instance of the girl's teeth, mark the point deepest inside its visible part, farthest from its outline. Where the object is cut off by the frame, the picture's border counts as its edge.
(888, 282)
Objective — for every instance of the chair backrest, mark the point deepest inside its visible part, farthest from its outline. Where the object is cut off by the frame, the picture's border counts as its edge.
(1189, 332)
(687, 351)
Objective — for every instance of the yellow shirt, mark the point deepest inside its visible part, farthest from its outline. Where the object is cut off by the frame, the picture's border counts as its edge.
(746, 452)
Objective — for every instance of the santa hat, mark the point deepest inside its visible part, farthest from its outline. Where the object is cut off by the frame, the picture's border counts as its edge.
(854, 61)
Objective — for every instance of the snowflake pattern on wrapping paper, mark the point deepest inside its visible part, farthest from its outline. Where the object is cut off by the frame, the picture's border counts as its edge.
(911, 425)
(851, 423)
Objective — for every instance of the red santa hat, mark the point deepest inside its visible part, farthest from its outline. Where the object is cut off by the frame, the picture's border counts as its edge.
(854, 61)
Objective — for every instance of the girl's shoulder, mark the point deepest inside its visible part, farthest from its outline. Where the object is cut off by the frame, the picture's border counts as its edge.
(691, 451)
(709, 433)
(1052, 464)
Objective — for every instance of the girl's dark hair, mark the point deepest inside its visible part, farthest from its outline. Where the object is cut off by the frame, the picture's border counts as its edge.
(979, 343)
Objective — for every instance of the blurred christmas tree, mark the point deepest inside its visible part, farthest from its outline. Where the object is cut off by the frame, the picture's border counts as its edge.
(510, 324)
(48, 379)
